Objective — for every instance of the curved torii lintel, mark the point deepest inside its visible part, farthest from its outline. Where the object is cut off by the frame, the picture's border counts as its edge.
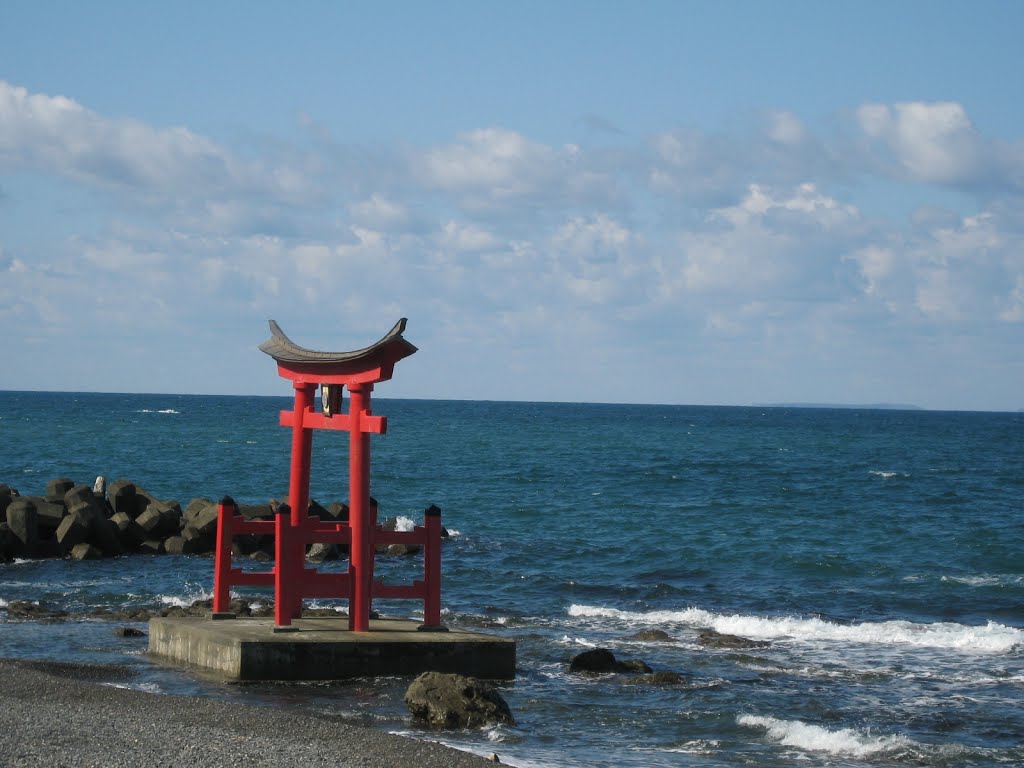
(392, 346)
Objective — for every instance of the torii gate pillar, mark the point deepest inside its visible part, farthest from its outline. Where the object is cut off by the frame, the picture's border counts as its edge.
(357, 371)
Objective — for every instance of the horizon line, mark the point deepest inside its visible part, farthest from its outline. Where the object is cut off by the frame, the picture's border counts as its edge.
(808, 405)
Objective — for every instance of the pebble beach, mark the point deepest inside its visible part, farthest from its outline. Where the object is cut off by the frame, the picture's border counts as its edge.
(82, 715)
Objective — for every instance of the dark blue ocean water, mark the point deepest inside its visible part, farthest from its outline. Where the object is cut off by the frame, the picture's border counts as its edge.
(879, 554)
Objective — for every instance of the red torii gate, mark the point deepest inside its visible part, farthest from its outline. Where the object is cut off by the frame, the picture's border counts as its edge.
(357, 371)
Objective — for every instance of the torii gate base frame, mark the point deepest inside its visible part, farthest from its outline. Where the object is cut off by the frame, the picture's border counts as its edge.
(356, 371)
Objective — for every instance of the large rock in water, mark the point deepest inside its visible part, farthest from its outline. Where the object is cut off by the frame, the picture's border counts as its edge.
(443, 700)
(599, 660)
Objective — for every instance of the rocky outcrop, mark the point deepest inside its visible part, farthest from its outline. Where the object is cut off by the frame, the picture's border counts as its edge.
(658, 678)
(601, 660)
(22, 609)
(712, 639)
(443, 700)
(651, 636)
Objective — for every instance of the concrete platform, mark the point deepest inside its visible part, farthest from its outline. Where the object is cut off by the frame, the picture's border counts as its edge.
(325, 649)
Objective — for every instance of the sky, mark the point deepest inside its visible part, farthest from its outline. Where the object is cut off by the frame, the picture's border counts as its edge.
(713, 203)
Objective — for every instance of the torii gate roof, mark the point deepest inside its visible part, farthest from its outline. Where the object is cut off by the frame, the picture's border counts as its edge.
(392, 346)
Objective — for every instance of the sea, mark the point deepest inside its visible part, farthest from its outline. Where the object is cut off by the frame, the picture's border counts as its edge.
(869, 562)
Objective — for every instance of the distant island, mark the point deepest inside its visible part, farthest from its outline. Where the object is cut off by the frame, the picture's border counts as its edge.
(848, 406)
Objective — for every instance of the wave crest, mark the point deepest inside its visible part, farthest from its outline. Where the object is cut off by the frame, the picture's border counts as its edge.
(990, 638)
(844, 741)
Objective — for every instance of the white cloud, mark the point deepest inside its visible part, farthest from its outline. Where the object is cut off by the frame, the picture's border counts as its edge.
(768, 244)
(379, 212)
(466, 238)
(934, 142)
(1014, 311)
(58, 135)
(876, 264)
(785, 128)
(494, 162)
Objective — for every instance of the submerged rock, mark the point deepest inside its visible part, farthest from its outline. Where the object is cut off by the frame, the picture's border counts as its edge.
(23, 609)
(444, 700)
(659, 678)
(129, 632)
(712, 639)
(651, 636)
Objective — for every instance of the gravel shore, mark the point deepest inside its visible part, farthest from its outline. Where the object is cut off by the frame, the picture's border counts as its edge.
(59, 714)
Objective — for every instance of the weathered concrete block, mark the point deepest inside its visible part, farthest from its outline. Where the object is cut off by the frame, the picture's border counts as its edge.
(122, 498)
(85, 552)
(193, 508)
(150, 520)
(338, 512)
(129, 531)
(161, 519)
(104, 535)
(319, 552)
(199, 542)
(256, 511)
(50, 515)
(72, 531)
(399, 550)
(179, 545)
(170, 516)
(24, 525)
(56, 488)
(244, 649)
(152, 547)
(7, 542)
(205, 522)
(79, 494)
(82, 501)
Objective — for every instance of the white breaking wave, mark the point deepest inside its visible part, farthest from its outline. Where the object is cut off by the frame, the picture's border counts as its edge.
(887, 474)
(195, 592)
(403, 523)
(162, 410)
(990, 638)
(147, 687)
(845, 741)
(987, 580)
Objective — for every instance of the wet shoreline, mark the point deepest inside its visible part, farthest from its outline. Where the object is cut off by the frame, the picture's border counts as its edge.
(69, 714)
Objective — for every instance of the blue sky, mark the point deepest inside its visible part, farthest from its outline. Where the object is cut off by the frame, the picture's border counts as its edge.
(707, 203)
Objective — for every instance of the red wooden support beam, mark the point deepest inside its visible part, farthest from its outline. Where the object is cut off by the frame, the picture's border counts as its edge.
(222, 561)
(432, 569)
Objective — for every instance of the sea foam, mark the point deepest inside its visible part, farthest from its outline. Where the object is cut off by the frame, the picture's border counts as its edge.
(988, 638)
(193, 592)
(843, 741)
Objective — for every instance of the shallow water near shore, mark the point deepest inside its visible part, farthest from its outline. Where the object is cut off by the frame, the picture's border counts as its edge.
(872, 558)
